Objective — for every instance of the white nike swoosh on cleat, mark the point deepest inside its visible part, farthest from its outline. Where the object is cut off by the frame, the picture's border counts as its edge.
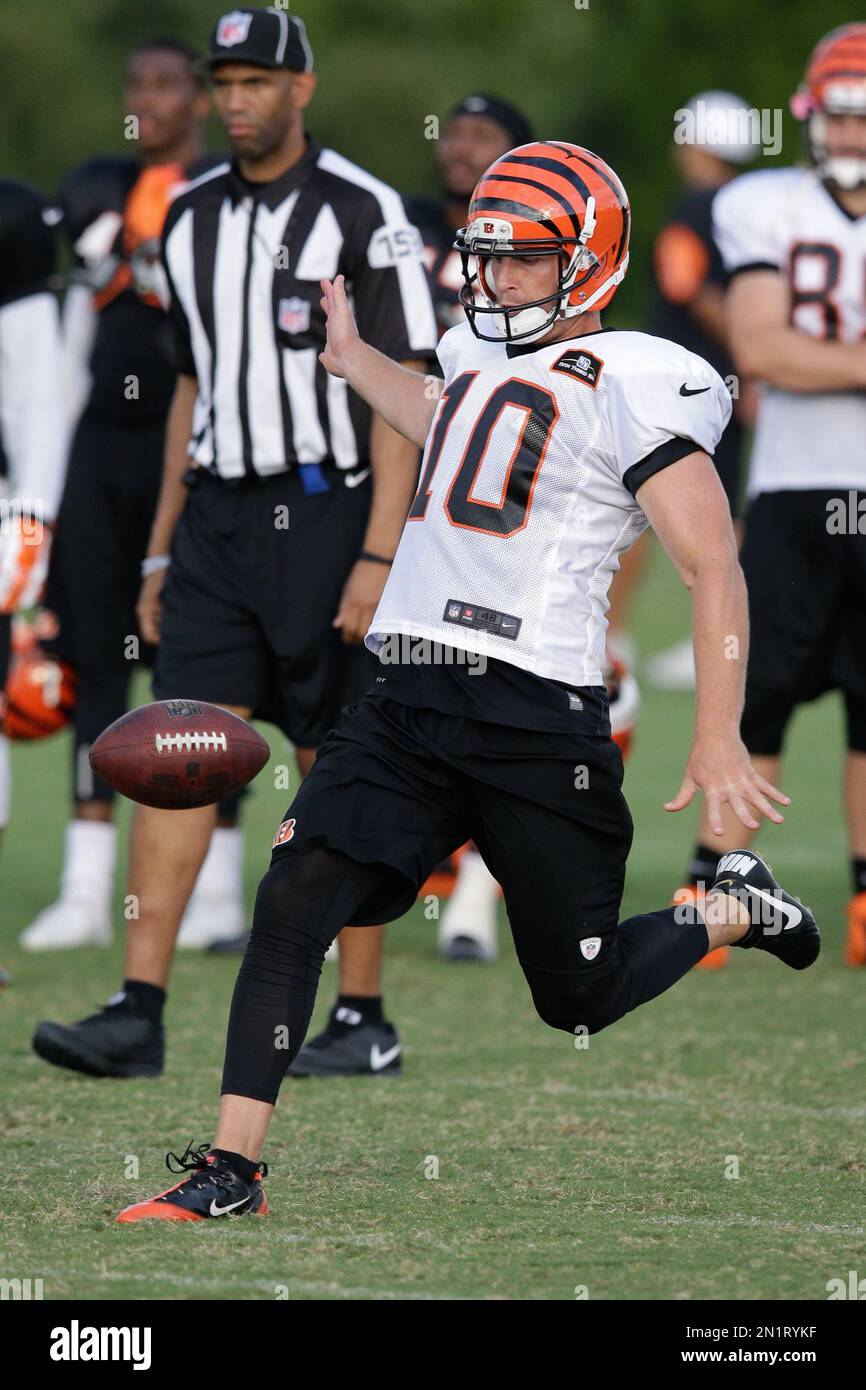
(378, 1059)
(221, 1211)
(793, 914)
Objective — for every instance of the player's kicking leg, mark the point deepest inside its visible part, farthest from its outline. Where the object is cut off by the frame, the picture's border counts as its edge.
(303, 902)
(441, 780)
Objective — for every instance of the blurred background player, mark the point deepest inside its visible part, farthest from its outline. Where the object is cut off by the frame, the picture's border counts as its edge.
(268, 556)
(32, 422)
(688, 308)
(794, 244)
(119, 383)
(479, 130)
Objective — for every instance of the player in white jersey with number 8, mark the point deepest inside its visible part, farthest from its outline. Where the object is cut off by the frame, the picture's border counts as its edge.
(794, 244)
(549, 446)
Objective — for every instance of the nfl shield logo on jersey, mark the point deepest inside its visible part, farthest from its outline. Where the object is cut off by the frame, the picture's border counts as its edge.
(294, 315)
(233, 28)
(590, 947)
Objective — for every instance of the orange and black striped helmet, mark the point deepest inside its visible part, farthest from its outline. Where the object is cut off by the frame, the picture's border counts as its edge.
(548, 197)
(834, 85)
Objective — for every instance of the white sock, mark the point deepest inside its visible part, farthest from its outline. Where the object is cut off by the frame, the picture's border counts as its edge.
(89, 860)
(5, 781)
(222, 873)
(473, 873)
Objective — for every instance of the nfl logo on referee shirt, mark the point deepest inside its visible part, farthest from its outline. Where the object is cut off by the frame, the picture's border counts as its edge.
(293, 315)
(233, 28)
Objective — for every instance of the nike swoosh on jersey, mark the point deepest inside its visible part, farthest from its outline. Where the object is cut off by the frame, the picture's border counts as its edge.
(379, 1059)
(793, 913)
(352, 480)
(691, 391)
(221, 1211)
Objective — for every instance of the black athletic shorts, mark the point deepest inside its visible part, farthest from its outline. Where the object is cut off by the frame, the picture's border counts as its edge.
(257, 570)
(405, 786)
(94, 576)
(807, 600)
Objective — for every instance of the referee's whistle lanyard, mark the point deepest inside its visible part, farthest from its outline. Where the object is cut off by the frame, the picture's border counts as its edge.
(311, 477)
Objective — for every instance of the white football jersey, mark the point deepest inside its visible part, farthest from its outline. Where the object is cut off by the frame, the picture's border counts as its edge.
(526, 497)
(785, 219)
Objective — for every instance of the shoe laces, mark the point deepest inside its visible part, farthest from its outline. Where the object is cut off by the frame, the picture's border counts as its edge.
(196, 1160)
(190, 1159)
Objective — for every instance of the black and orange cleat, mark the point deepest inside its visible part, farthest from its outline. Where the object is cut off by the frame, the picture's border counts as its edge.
(781, 924)
(213, 1189)
(855, 942)
(689, 895)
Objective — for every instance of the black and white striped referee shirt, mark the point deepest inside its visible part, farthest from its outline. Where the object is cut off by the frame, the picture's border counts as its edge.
(244, 262)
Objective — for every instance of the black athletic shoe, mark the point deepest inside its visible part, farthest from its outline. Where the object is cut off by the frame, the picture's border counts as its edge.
(114, 1042)
(467, 948)
(232, 946)
(781, 924)
(350, 1046)
(214, 1189)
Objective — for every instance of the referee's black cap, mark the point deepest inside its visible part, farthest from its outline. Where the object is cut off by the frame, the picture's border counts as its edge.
(267, 38)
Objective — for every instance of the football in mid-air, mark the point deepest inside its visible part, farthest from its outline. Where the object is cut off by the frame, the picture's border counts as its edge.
(177, 754)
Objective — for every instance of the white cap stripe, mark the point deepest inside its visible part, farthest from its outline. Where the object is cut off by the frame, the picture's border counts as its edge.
(284, 31)
(305, 43)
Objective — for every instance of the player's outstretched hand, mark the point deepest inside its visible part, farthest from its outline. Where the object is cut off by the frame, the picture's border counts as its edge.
(341, 326)
(723, 772)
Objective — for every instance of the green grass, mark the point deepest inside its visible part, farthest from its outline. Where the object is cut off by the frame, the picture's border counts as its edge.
(557, 1168)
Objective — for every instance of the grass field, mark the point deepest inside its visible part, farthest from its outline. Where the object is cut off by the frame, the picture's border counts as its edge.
(558, 1168)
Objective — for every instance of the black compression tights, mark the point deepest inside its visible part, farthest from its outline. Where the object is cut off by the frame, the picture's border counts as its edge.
(303, 902)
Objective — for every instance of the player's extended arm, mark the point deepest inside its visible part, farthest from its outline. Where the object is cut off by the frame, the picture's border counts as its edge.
(394, 462)
(405, 399)
(764, 345)
(687, 508)
(172, 499)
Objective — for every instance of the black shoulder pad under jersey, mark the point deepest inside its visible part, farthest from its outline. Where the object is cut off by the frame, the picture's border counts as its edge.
(100, 185)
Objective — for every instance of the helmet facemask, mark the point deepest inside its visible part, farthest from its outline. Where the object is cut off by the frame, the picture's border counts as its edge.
(845, 171)
(530, 320)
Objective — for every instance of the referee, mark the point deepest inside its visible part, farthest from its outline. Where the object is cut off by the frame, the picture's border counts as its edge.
(268, 555)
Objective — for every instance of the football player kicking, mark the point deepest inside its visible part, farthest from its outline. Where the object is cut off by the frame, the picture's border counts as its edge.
(550, 445)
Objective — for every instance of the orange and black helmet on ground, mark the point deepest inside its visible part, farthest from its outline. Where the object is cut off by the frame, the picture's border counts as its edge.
(548, 197)
(834, 85)
(40, 689)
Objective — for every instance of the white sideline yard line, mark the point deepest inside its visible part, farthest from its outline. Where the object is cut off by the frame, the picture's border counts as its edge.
(721, 1223)
(775, 1107)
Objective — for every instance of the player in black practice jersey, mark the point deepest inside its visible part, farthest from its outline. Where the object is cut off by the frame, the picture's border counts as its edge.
(119, 379)
(688, 306)
(478, 130)
(31, 417)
